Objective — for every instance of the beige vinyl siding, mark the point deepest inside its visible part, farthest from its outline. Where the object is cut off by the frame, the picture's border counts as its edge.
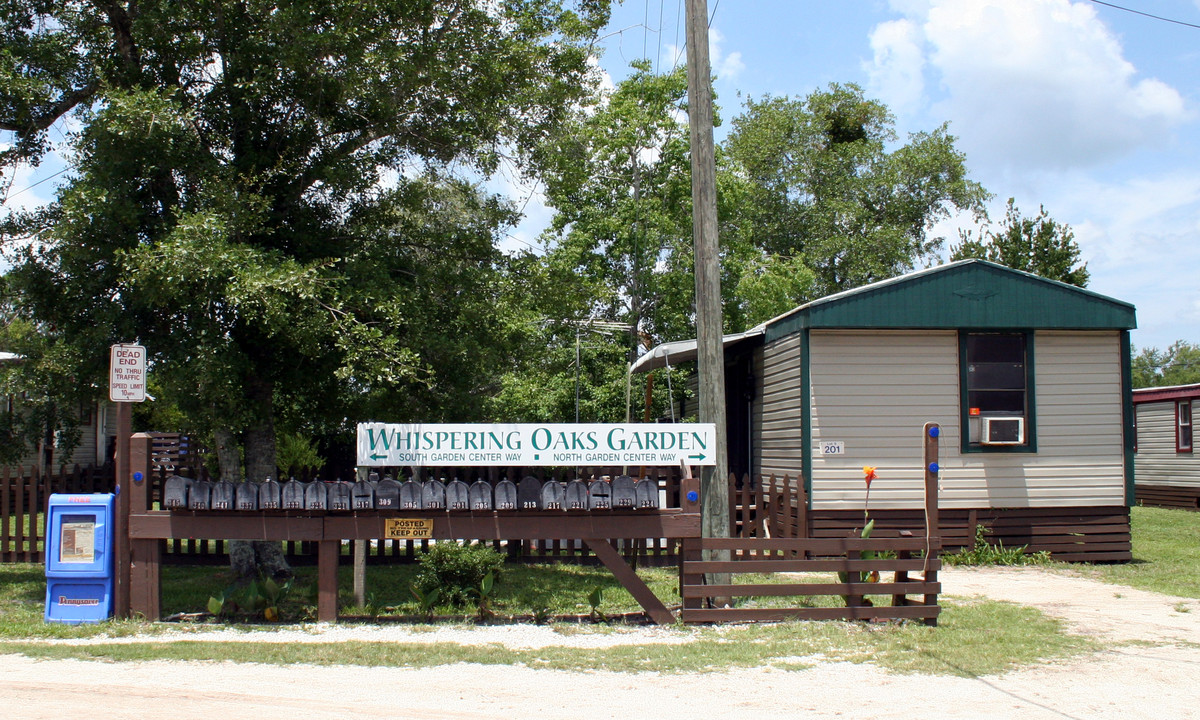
(93, 440)
(756, 415)
(1156, 462)
(777, 414)
(875, 390)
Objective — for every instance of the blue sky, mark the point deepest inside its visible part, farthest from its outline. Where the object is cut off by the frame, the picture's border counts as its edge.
(1085, 109)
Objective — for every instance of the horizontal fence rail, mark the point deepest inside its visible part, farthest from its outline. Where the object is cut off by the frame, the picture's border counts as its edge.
(856, 569)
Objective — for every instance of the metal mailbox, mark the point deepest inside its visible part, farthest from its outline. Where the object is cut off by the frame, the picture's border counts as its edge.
(175, 492)
(458, 495)
(553, 495)
(291, 495)
(246, 495)
(505, 494)
(410, 495)
(433, 495)
(270, 495)
(624, 493)
(480, 495)
(200, 495)
(362, 495)
(529, 493)
(387, 494)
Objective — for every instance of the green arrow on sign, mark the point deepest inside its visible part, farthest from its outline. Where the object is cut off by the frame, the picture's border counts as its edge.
(377, 456)
(696, 457)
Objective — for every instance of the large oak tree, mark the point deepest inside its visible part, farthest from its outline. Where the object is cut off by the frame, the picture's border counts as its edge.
(280, 200)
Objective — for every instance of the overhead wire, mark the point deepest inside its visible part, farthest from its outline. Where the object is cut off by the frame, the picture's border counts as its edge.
(1143, 14)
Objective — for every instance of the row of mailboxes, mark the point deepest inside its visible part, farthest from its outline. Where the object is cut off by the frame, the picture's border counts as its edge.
(622, 493)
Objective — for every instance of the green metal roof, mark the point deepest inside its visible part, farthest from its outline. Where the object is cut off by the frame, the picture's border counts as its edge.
(973, 294)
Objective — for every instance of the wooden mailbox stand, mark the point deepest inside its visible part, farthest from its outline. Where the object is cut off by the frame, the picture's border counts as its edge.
(138, 574)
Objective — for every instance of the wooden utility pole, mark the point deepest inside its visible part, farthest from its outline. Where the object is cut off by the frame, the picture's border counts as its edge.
(710, 355)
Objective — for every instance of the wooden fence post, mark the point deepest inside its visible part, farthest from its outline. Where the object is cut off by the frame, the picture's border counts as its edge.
(933, 532)
(145, 556)
(123, 481)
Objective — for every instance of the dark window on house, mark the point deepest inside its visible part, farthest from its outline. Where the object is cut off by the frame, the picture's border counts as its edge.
(997, 390)
(1183, 426)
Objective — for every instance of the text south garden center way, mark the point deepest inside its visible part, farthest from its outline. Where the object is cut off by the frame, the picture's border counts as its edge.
(530, 444)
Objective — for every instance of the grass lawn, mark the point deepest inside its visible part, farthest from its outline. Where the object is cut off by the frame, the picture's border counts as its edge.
(972, 639)
(1166, 553)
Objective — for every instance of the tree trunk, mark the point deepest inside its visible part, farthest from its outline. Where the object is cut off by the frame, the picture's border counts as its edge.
(229, 460)
(249, 558)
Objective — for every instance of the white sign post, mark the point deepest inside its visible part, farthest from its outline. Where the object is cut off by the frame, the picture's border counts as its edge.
(127, 373)
(534, 445)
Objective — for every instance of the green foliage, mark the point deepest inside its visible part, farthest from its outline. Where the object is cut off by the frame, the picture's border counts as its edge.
(283, 207)
(1037, 245)
(618, 253)
(862, 576)
(216, 605)
(427, 601)
(261, 597)
(484, 597)
(43, 382)
(594, 598)
(1179, 364)
(818, 180)
(458, 572)
(985, 553)
(297, 454)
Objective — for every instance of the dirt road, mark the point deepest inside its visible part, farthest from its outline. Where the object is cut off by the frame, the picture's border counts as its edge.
(1157, 676)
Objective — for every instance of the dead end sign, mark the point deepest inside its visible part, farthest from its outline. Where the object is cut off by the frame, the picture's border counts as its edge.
(127, 373)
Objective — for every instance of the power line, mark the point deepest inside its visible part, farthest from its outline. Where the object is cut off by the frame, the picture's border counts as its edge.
(39, 182)
(1145, 14)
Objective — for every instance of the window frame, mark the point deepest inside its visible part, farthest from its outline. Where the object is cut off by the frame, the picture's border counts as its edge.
(1030, 416)
(1180, 447)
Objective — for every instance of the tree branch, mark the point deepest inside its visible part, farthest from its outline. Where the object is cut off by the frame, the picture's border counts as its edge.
(62, 107)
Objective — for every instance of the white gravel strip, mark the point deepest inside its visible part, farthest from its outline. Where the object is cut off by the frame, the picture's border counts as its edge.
(509, 636)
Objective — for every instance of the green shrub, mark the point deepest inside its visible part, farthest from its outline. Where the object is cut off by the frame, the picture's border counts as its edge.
(985, 553)
(456, 571)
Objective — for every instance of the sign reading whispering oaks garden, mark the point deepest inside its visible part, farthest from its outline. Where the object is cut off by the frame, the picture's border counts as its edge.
(531, 444)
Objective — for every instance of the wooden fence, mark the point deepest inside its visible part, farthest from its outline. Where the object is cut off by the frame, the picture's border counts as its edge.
(770, 507)
(23, 495)
(859, 565)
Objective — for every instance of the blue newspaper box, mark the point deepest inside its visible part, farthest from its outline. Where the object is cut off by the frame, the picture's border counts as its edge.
(79, 550)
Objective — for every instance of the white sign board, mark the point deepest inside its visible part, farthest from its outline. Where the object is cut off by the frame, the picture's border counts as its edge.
(535, 445)
(127, 373)
(833, 447)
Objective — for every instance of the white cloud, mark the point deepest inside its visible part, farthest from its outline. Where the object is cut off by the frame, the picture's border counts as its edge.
(1026, 83)
(726, 66)
(1138, 238)
(897, 70)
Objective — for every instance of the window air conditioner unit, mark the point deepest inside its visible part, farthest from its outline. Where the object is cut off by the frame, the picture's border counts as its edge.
(1003, 431)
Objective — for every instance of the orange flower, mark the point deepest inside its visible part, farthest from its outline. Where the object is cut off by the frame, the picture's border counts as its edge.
(869, 475)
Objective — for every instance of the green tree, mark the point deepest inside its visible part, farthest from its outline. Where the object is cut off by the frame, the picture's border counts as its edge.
(1037, 245)
(617, 270)
(278, 200)
(1179, 364)
(227, 208)
(820, 187)
(40, 392)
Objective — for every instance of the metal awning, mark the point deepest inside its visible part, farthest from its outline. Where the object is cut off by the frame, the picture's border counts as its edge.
(684, 351)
